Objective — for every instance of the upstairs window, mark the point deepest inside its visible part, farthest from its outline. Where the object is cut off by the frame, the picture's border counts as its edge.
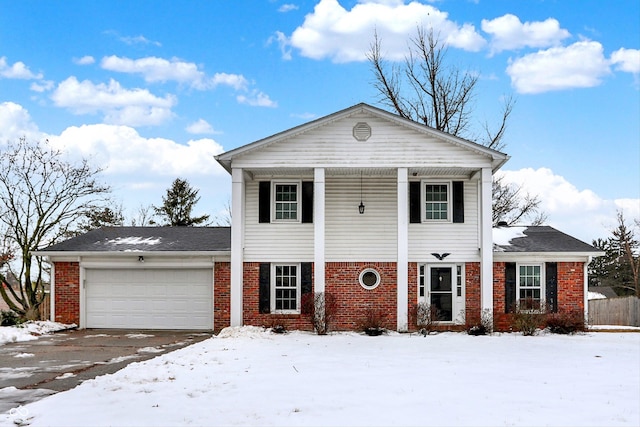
(436, 201)
(286, 205)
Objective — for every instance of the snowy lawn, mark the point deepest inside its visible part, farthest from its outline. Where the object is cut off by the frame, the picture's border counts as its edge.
(246, 376)
(30, 331)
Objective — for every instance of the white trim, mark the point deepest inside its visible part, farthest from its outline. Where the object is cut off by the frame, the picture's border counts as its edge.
(319, 230)
(423, 201)
(82, 295)
(456, 307)
(402, 263)
(486, 243)
(364, 285)
(52, 293)
(298, 184)
(543, 280)
(272, 288)
(237, 246)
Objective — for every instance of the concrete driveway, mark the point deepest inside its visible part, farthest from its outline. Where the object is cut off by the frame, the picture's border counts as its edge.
(63, 360)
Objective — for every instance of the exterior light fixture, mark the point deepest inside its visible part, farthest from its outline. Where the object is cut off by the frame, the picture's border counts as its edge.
(361, 206)
(140, 258)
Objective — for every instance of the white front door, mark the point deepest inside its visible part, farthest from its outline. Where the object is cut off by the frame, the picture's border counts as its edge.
(441, 291)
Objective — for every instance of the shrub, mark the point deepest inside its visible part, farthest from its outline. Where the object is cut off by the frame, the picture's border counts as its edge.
(8, 318)
(567, 322)
(426, 316)
(482, 326)
(527, 317)
(372, 321)
(277, 324)
(320, 309)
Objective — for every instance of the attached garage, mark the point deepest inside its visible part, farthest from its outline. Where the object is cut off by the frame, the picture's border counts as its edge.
(142, 278)
(149, 298)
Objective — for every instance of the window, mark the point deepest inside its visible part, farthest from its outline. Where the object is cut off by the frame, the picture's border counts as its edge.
(530, 286)
(436, 201)
(286, 206)
(285, 289)
(369, 278)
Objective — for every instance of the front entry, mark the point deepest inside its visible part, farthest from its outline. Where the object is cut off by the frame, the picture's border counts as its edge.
(441, 292)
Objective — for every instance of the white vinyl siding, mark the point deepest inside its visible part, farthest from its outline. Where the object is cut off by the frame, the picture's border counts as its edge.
(274, 242)
(458, 239)
(333, 145)
(351, 236)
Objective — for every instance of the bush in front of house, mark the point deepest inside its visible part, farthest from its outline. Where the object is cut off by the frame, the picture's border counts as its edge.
(482, 326)
(426, 315)
(565, 322)
(372, 321)
(527, 316)
(8, 318)
(320, 310)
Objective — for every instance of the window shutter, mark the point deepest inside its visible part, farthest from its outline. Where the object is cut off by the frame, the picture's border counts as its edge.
(551, 291)
(509, 286)
(264, 291)
(458, 201)
(306, 281)
(307, 202)
(414, 202)
(264, 202)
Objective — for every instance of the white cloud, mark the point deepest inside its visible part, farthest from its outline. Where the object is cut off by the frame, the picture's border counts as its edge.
(257, 99)
(85, 60)
(343, 35)
(133, 40)
(16, 71)
(579, 65)
(627, 60)
(119, 105)
(200, 126)
(42, 86)
(287, 8)
(121, 150)
(16, 122)
(509, 33)
(283, 42)
(580, 213)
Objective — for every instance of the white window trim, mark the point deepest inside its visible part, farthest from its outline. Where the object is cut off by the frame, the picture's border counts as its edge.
(369, 270)
(298, 185)
(423, 200)
(543, 282)
(272, 287)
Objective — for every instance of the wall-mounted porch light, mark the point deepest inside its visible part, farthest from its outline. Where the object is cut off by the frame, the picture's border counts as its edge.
(361, 206)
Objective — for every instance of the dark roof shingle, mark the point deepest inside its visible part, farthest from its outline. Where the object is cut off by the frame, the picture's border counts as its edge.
(544, 239)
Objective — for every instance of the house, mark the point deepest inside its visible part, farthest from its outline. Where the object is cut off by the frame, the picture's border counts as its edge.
(379, 211)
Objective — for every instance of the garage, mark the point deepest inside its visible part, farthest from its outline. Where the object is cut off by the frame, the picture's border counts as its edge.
(149, 298)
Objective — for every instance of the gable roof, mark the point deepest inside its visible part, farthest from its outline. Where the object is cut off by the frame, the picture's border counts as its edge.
(145, 239)
(539, 239)
(498, 158)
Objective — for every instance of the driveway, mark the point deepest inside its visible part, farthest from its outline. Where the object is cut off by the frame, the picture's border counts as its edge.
(63, 360)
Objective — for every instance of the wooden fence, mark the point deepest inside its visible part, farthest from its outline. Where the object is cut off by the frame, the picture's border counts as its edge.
(623, 311)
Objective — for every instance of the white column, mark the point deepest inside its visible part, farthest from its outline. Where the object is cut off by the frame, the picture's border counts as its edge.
(486, 243)
(237, 245)
(318, 228)
(52, 292)
(403, 249)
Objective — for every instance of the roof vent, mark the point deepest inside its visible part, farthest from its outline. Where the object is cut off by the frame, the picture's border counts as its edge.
(361, 131)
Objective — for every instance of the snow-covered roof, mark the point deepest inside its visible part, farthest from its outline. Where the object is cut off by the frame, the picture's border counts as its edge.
(538, 239)
(146, 239)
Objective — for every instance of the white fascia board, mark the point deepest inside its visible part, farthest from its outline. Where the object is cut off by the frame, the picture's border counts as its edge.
(68, 255)
(544, 256)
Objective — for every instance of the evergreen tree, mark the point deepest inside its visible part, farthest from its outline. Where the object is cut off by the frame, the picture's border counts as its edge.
(177, 206)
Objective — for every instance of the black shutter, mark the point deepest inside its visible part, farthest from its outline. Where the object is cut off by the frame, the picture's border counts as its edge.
(458, 201)
(264, 297)
(414, 202)
(551, 291)
(307, 201)
(509, 286)
(264, 202)
(306, 280)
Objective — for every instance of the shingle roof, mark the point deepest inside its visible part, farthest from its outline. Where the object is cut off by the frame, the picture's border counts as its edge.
(148, 239)
(539, 239)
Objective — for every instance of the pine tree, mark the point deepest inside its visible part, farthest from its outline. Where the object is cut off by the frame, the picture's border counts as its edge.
(178, 204)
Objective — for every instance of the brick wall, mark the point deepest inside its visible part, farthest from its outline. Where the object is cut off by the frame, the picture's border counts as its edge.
(571, 287)
(501, 320)
(67, 292)
(472, 293)
(222, 296)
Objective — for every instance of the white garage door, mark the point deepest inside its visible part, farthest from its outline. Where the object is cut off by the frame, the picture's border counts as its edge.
(149, 298)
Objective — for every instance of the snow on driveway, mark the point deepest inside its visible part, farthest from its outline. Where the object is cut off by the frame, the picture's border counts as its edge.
(30, 331)
(246, 376)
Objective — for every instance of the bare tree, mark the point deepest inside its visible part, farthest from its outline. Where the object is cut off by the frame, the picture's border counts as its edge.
(425, 89)
(41, 196)
(625, 243)
(223, 219)
(143, 216)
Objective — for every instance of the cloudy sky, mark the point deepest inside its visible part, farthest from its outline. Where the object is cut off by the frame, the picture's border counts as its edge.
(153, 90)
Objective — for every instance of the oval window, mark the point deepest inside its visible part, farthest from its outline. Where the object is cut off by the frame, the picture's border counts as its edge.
(369, 278)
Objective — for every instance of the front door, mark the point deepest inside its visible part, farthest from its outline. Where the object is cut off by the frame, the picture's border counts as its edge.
(441, 292)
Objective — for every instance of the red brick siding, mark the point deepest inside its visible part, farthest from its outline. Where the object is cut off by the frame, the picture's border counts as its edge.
(501, 320)
(472, 297)
(222, 296)
(250, 304)
(413, 295)
(67, 292)
(571, 287)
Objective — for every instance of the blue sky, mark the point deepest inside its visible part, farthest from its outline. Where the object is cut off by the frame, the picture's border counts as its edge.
(152, 90)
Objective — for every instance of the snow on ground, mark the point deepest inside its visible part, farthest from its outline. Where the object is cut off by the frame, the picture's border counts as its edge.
(30, 331)
(595, 295)
(246, 376)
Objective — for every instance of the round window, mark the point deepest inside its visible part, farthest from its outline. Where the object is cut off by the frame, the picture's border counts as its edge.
(369, 278)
